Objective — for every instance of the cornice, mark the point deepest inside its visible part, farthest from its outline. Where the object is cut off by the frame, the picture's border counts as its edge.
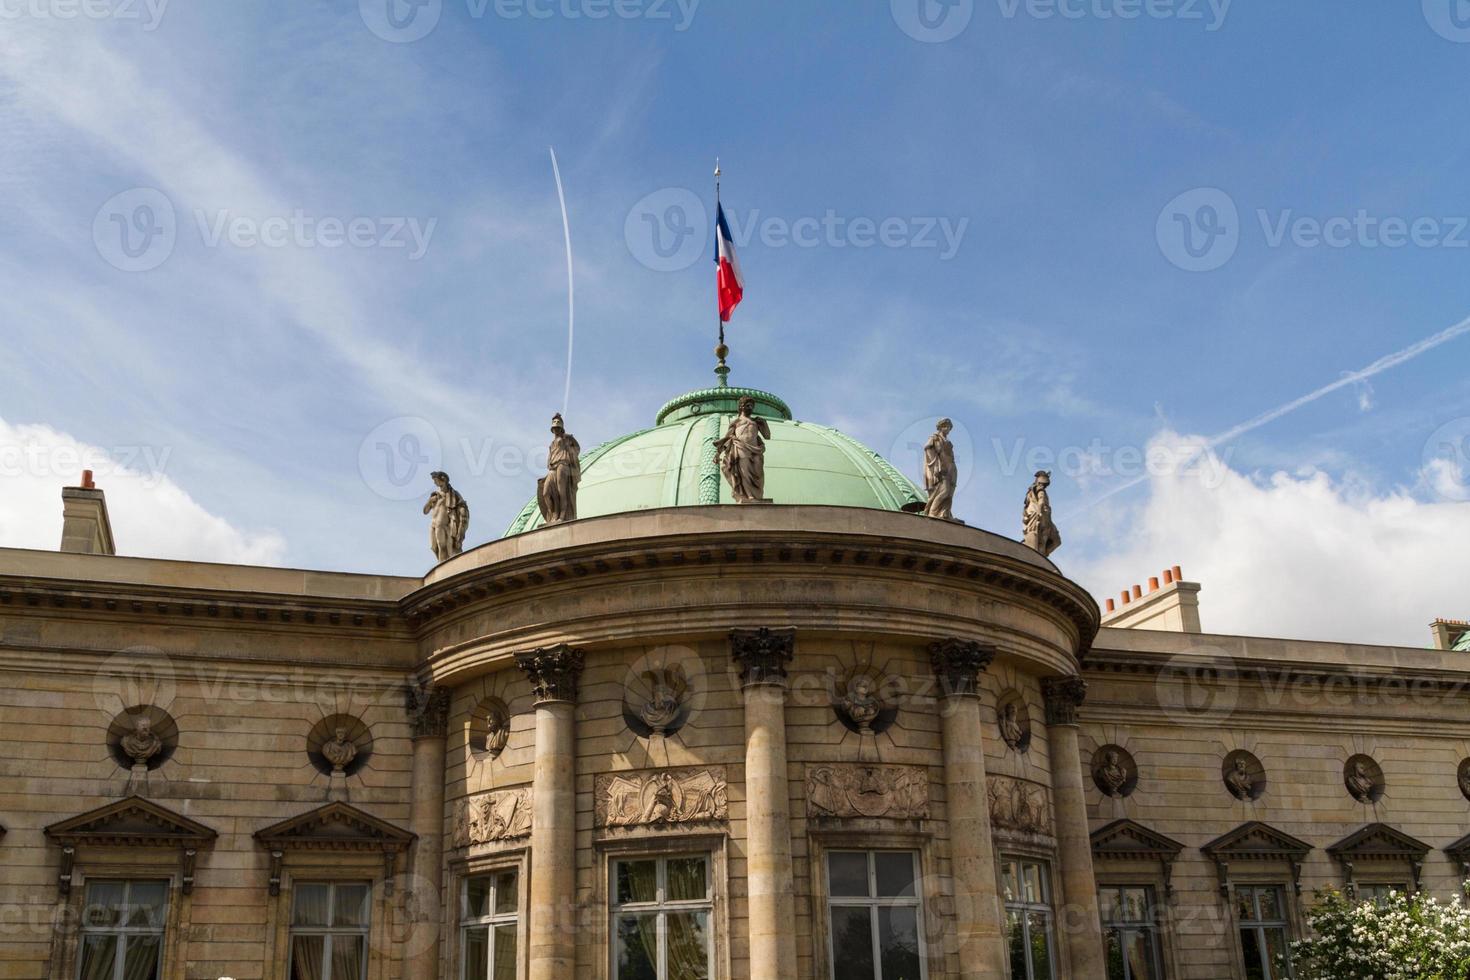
(758, 552)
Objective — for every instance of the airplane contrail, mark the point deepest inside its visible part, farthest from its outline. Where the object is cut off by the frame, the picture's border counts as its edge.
(566, 230)
(1384, 363)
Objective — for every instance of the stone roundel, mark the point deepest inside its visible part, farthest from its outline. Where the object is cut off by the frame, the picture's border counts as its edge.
(322, 743)
(1243, 775)
(1114, 771)
(1463, 778)
(1363, 779)
(144, 734)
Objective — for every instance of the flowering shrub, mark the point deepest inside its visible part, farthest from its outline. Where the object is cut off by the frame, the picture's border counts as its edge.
(1403, 937)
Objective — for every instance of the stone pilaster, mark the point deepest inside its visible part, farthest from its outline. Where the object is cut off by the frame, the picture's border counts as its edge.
(979, 937)
(762, 656)
(428, 715)
(1077, 919)
(554, 673)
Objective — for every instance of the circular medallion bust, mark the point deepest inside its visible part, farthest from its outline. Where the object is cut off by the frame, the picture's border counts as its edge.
(143, 735)
(339, 744)
(1114, 771)
(1363, 779)
(1244, 776)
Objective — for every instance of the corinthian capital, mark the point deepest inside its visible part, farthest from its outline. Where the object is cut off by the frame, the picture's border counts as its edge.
(428, 709)
(762, 654)
(958, 665)
(553, 672)
(1063, 696)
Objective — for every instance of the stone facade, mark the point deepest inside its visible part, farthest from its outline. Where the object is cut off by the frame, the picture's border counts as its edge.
(763, 614)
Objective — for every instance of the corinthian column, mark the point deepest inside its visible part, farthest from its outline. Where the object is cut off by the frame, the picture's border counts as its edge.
(428, 716)
(980, 941)
(762, 656)
(1078, 919)
(554, 672)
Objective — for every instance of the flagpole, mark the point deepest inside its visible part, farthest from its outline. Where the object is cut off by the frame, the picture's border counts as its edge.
(722, 369)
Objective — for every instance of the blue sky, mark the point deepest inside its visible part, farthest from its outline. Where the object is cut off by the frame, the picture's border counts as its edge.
(240, 388)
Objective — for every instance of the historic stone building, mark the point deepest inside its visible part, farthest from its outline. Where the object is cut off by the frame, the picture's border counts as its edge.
(823, 737)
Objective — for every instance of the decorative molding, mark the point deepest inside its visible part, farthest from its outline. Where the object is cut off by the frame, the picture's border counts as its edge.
(1378, 842)
(661, 796)
(488, 818)
(1128, 840)
(867, 791)
(1019, 805)
(131, 822)
(958, 665)
(1256, 841)
(553, 672)
(762, 654)
(1062, 697)
(428, 709)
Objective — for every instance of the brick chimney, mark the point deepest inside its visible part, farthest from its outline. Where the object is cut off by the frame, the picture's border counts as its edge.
(85, 529)
(1172, 605)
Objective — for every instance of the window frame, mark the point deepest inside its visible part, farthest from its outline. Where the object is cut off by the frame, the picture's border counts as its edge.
(1047, 907)
(1151, 925)
(1287, 924)
(125, 932)
(874, 902)
(463, 922)
(330, 932)
(661, 906)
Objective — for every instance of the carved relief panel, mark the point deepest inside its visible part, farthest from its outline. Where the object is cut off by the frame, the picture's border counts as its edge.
(1019, 804)
(867, 791)
(486, 818)
(661, 796)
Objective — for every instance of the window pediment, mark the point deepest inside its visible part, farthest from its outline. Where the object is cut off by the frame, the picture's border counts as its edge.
(130, 822)
(1380, 841)
(1126, 839)
(1256, 841)
(338, 827)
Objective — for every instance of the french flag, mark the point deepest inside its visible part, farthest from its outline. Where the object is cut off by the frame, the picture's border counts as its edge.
(729, 283)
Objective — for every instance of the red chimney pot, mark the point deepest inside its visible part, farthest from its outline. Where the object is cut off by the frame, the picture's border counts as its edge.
(1178, 575)
(1111, 606)
(87, 483)
(1153, 583)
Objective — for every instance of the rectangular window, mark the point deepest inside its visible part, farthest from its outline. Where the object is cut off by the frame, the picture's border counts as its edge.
(329, 931)
(1261, 910)
(1378, 892)
(1026, 889)
(875, 915)
(487, 926)
(122, 930)
(1130, 931)
(662, 913)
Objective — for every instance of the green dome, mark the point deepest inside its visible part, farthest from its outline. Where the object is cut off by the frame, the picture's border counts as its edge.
(673, 463)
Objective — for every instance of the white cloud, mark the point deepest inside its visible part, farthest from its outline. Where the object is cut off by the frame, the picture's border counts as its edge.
(151, 515)
(1290, 554)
